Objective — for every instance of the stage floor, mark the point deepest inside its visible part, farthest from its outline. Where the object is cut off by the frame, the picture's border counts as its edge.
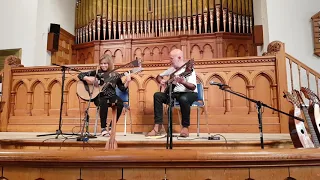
(27, 140)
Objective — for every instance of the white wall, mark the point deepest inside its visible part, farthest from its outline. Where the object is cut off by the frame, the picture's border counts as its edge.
(290, 22)
(18, 27)
(261, 18)
(26, 24)
(52, 11)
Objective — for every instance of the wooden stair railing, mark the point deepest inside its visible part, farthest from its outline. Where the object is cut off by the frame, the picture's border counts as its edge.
(9, 62)
(290, 76)
(312, 76)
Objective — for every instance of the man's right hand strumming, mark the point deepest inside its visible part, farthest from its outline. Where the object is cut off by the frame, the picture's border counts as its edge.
(162, 82)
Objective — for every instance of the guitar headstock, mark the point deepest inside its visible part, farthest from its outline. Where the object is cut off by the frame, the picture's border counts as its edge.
(291, 97)
(190, 64)
(298, 95)
(136, 70)
(309, 94)
(137, 62)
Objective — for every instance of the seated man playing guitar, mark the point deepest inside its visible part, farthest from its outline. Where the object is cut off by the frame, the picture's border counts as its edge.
(108, 96)
(185, 92)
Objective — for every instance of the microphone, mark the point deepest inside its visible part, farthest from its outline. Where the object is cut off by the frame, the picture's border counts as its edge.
(217, 84)
(63, 66)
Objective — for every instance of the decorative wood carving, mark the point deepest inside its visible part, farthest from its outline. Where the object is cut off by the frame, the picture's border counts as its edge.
(316, 33)
(273, 48)
(64, 54)
(37, 88)
(13, 61)
(208, 46)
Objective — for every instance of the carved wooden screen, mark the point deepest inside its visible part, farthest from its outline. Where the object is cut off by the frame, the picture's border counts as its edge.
(316, 33)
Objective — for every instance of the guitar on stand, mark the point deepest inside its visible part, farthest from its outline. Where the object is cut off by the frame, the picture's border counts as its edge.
(298, 131)
(306, 115)
(313, 110)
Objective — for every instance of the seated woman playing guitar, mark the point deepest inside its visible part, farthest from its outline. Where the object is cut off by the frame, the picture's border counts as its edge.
(108, 96)
(185, 92)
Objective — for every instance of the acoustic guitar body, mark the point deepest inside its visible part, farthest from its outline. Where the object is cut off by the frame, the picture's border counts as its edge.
(298, 131)
(83, 93)
(314, 113)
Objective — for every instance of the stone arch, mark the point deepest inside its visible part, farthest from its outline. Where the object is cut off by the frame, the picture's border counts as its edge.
(215, 75)
(145, 82)
(89, 59)
(241, 75)
(18, 84)
(108, 52)
(195, 52)
(138, 53)
(69, 84)
(231, 51)
(173, 47)
(147, 54)
(266, 75)
(54, 81)
(165, 53)
(34, 84)
(242, 51)
(118, 56)
(208, 52)
(82, 59)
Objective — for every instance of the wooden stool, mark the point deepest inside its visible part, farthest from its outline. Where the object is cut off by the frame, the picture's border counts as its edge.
(112, 143)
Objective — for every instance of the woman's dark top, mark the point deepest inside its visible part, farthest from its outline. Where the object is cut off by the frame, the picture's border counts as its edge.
(110, 90)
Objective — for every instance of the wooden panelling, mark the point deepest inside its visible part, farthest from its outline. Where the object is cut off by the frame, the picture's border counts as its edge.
(199, 47)
(64, 53)
(144, 164)
(35, 97)
(316, 33)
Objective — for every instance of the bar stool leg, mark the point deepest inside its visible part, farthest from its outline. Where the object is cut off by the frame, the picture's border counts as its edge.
(112, 143)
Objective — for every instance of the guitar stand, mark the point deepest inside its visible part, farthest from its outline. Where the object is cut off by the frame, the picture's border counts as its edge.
(259, 105)
(85, 136)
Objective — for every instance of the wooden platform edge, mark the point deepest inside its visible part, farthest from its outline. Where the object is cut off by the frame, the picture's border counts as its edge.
(161, 158)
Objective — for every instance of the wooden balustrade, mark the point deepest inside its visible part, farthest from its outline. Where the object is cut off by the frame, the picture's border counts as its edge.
(302, 75)
(32, 96)
(199, 47)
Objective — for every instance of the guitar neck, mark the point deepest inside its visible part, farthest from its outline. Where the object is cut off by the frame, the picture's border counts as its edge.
(184, 74)
(112, 78)
(311, 128)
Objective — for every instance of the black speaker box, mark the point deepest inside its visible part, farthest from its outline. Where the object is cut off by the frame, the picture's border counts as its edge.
(55, 28)
(53, 38)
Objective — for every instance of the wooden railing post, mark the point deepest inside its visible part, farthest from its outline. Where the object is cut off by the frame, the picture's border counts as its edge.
(10, 61)
(281, 74)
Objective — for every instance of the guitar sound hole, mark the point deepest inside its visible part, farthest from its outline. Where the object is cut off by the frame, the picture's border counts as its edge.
(302, 131)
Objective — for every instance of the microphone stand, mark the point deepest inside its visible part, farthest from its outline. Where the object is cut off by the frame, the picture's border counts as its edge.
(169, 134)
(59, 131)
(84, 136)
(259, 104)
